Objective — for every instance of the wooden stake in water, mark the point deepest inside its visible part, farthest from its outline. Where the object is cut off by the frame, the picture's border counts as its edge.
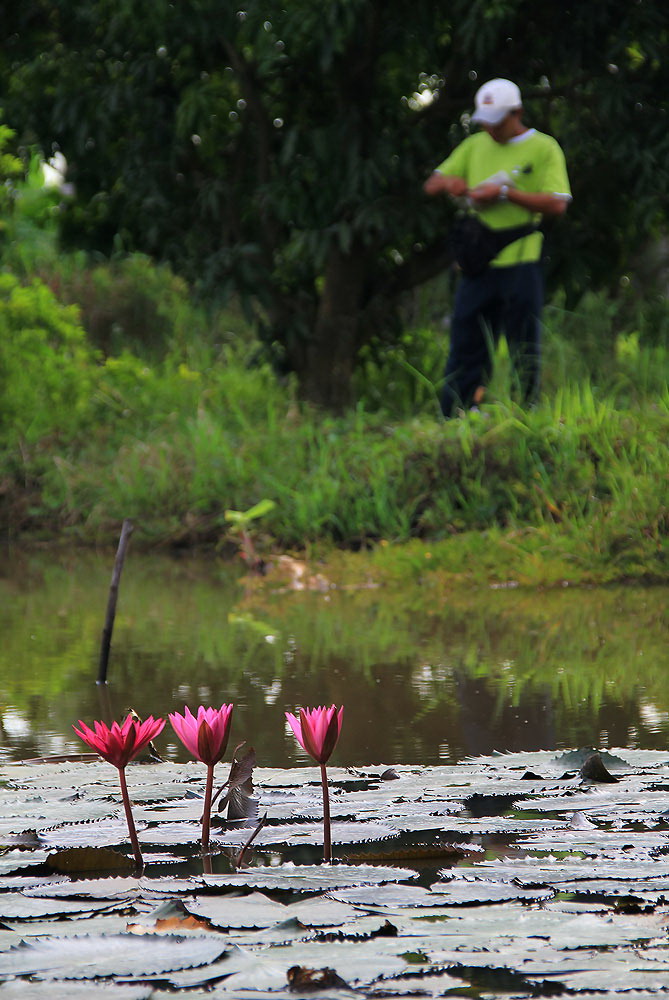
(126, 531)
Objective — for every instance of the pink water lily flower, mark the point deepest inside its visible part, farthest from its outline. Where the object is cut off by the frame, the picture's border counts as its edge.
(119, 745)
(205, 735)
(317, 731)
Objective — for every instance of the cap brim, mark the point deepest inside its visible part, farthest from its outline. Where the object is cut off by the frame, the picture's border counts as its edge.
(490, 116)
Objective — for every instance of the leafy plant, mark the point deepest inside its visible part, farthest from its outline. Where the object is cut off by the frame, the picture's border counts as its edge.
(10, 168)
(129, 304)
(240, 528)
(47, 368)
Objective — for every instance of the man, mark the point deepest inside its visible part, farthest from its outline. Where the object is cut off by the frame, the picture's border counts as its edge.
(511, 175)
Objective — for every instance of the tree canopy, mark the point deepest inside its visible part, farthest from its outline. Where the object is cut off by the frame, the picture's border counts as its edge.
(278, 151)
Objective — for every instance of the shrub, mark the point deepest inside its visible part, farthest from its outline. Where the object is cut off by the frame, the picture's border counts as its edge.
(46, 365)
(128, 304)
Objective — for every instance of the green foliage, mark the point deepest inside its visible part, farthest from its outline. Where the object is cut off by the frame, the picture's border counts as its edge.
(46, 365)
(10, 167)
(131, 304)
(278, 151)
(34, 202)
(579, 479)
(128, 303)
(180, 439)
(30, 217)
(243, 519)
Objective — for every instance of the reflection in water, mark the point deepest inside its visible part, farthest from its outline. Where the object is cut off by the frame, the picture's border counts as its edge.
(424, 677)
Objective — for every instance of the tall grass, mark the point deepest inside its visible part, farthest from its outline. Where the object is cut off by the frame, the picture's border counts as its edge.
(575, 468)
(614, 348)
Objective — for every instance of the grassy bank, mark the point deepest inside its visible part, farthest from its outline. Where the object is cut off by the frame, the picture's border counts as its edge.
(175, 435)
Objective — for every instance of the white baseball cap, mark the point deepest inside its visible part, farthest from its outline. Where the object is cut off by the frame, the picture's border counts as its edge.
(494, 100)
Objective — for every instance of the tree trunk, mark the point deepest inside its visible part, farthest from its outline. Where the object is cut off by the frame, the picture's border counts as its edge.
(335, 339)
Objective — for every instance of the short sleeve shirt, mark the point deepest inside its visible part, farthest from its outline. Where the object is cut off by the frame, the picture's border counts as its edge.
(532, 161)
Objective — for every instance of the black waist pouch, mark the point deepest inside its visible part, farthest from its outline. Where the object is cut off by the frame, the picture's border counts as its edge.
(474, 245)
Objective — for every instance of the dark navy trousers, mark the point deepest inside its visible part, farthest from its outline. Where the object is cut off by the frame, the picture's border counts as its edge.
(502, 300)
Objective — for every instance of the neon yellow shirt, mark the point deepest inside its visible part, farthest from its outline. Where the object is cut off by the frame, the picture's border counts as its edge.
(532, 162)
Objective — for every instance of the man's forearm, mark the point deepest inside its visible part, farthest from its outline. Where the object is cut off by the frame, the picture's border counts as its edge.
(540, 201)
(544, 202)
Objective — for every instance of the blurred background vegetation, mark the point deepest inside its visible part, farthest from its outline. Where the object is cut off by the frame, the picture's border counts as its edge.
(237, 291)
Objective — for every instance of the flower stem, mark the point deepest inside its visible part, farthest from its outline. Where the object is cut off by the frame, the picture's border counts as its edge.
(327, 837)
(206, 812)
(139, 860)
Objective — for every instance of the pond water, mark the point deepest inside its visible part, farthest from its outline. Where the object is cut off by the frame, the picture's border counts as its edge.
(425, 677)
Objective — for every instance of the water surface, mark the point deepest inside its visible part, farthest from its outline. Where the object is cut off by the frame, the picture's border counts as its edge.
(424, 677)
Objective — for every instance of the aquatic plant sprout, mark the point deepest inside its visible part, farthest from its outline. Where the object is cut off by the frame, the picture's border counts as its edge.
(119, 745)
(205, 736)
(317, 731)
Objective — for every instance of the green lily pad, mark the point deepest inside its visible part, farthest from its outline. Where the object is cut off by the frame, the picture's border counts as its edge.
(17, 906)
(13, 861)
(23, 990)
(252, 910)
(310, 878)
(115, 955)
(100, 833)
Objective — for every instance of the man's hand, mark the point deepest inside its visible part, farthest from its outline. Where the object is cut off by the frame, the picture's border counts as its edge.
(440, 184)
(485, 194)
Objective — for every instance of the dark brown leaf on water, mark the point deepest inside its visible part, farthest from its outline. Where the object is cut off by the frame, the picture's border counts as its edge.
(417, 852)
(27, 838)
(241, 803)
(577, 758)
(89, 859)
(387, 929)
(593, 770)
(390, 774)
(303, 980)
(239, 796)
(488, 805)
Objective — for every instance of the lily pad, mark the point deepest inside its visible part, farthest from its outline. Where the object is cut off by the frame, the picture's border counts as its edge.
(320, 911)
(310, 834)
(310, 878)
(378, 897)
(113, 887)
(252, 910)
(240, 969)
(90, 888)
(17, 906)
(116, 955)
(13, 861)
(100, 833)
(22, 990)
(577, 758)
